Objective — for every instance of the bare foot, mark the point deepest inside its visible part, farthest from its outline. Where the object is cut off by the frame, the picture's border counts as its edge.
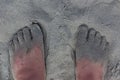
(91, 54)
(27, 56)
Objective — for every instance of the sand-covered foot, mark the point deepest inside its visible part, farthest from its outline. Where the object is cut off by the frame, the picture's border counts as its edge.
(27, 53)
(91, 54)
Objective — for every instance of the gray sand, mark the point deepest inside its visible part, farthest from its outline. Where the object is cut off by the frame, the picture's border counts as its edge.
(61, 19)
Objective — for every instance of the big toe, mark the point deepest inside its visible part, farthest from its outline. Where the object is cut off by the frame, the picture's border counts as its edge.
(36, 33)
(82, 33)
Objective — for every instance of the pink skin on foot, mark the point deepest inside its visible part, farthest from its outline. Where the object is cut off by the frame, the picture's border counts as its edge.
(88, 70)
(30, 66)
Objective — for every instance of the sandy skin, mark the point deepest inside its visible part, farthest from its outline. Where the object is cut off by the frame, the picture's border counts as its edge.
(28, 57)
(91, 54)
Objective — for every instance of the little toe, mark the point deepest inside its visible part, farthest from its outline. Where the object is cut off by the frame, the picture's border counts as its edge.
(91, 34)
(20, 37)
(103, 42)
(11, 46)
(16, 42)
(82, 33)
(97, 38)
(107, 46)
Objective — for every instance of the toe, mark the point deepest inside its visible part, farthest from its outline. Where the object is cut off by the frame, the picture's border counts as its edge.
(103, 42)
(82, 33)
(97, 38)
(36, 32)
(107, 45)
(16, 42)
(91, 35)
(11, 46)
(27, 35)
(20, 37)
